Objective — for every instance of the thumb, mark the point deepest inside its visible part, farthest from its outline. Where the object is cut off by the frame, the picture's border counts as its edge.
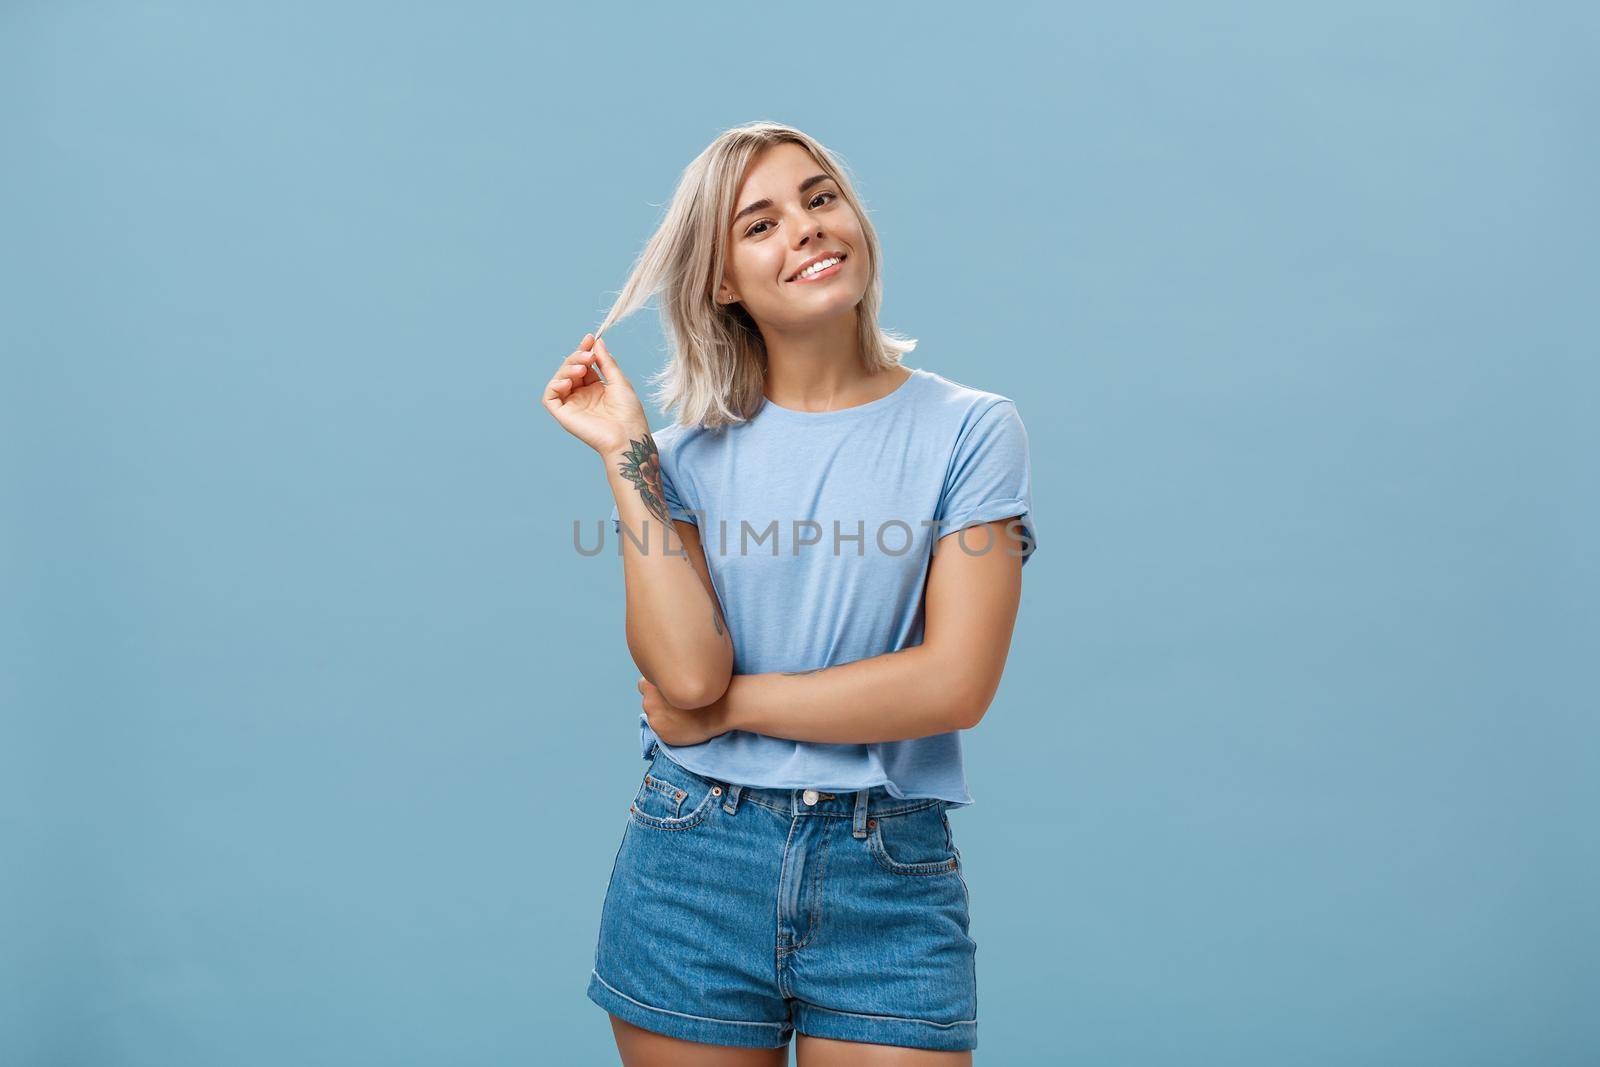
(608, 366)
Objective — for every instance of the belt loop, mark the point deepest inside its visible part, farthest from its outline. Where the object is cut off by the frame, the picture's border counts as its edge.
(732, 803)
(860, 830)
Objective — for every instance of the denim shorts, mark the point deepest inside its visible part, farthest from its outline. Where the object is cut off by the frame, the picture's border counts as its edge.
(738, 915)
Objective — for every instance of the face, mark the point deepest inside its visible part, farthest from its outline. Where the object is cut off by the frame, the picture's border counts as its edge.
(803, 220)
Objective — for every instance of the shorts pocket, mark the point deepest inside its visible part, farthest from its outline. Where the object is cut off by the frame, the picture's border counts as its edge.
(672, 797)
(915, 842)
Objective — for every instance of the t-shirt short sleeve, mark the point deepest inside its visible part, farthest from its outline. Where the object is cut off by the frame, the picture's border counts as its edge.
(675, 506)
(990, 478)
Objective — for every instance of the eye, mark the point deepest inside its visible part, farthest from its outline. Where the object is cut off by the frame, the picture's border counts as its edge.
(753, 232)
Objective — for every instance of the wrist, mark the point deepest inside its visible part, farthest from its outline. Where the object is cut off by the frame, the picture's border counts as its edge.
(625, 441)
(614, 459)
(725, 710)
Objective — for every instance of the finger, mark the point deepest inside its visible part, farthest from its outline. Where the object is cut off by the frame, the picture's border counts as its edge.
(584, 349)
(555, 394)
(584, 358)
(583, 370)
(608, 366)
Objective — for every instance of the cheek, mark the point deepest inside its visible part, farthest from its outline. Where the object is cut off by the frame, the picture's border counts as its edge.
(757, 265)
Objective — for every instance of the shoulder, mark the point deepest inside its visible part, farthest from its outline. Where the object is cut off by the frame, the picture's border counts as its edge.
(668, 437)
(964, 405)
(680, 446)
(676, 437)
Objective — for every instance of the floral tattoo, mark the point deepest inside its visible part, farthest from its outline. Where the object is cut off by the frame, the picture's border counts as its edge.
(641, 465)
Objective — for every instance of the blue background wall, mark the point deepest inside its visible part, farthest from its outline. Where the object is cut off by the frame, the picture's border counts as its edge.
(319, 736)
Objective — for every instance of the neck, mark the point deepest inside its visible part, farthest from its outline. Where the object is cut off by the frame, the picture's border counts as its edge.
(821, 369)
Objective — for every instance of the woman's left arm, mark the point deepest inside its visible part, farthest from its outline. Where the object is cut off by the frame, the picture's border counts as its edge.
(946, 683)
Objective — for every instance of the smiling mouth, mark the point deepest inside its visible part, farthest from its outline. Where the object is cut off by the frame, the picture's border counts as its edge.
(838, 261)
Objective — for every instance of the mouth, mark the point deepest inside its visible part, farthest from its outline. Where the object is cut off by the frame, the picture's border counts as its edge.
(809, 272)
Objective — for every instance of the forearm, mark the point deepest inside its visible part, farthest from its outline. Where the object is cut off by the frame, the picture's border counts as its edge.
(899, 695)
(675, 628)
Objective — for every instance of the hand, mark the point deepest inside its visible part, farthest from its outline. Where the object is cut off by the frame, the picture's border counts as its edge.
(607, 415)
(681, 726)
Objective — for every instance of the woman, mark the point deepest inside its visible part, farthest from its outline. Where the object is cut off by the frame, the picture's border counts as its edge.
(824, 623)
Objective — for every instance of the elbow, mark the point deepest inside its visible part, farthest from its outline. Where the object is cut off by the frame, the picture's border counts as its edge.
(971, 703)
(692, 691)
(968, 717)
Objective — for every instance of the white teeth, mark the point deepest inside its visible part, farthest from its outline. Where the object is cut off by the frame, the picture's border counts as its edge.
(817, 268)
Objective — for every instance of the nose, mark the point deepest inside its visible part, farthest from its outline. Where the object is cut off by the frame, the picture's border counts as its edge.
(807, 234)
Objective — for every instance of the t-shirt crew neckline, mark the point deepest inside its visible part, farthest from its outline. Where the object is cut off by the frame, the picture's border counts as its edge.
(888, 399)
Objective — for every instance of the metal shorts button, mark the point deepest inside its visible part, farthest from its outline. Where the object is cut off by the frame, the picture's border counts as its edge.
(809, 796)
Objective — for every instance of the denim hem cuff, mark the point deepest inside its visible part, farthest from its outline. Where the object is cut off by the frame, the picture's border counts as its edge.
(678, 1024)
(884, 1029)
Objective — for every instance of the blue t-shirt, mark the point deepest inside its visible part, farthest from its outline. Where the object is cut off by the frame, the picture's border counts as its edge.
(818, 530)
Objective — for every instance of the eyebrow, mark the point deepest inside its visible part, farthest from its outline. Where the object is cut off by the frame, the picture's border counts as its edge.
(762, 205)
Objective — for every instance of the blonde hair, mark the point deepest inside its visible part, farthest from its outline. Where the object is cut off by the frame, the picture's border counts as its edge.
(717, 369)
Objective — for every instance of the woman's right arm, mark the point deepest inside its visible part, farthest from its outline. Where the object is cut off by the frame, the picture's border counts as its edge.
(675, 628)
(674, 625)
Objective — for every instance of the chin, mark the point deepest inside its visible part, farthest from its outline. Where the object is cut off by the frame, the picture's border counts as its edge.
(832, 309)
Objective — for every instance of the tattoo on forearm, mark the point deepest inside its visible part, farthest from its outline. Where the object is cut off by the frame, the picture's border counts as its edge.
(642, 466)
